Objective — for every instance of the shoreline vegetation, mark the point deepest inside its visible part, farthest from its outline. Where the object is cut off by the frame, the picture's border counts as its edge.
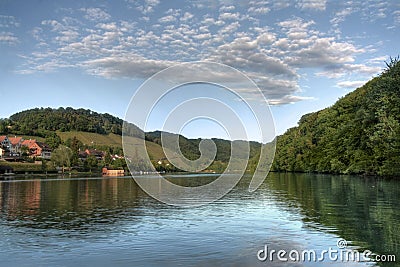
(358, 135)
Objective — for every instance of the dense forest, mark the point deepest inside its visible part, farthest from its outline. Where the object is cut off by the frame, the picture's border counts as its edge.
(190, 149)
(359, 134)
(42, 121)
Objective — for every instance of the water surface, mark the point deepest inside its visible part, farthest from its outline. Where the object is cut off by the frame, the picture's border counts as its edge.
(111, 222)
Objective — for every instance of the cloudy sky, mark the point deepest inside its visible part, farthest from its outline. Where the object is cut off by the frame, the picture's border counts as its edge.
(303, 54)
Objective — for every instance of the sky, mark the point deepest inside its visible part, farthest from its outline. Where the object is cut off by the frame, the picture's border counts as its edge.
(302, 54)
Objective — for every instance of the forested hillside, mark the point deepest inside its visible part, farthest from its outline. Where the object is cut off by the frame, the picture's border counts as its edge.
(359, 134)
(41, 121)
(190, 147)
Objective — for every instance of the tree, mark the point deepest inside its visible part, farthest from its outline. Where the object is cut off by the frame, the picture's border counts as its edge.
(91, 162)
(52, 140)
(75, 145)
(25, 151)
(359, 134)
(61, 157)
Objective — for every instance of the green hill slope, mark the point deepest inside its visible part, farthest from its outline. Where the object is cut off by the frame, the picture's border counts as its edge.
(85, 128)
(359, 134)
(40, 121)
(112, 140)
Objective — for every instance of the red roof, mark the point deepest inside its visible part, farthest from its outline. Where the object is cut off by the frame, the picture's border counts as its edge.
(2, 138)
(28, 143)
(15, 140)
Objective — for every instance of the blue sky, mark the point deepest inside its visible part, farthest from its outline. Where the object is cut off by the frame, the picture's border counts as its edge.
(303, 54)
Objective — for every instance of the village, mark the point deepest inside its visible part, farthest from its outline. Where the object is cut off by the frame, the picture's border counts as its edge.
(13, 148)
(30, 151)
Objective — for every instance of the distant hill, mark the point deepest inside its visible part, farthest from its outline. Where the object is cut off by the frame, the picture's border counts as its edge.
(103, 131)
(39, 121)
(359, 134)
(190, 147)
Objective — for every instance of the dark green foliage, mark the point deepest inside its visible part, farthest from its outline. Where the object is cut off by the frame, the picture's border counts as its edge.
(40, 121)
(52, 140)
(91, 162)
(359, 134)
(190, 149)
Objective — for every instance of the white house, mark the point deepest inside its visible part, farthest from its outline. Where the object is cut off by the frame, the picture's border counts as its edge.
(5, 142)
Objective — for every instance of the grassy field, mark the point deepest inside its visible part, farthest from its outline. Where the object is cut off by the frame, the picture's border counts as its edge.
(155, 151)
(93, 138)
(27, 167)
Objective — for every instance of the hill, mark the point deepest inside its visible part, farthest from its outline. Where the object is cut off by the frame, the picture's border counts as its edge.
(101, 131)
(359, 134)
(40, 121)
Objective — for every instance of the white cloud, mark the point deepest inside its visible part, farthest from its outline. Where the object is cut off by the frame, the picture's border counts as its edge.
(378, 60)
(258, 10)
(396, 17)
(272, 54)
(145, 7)
(338, 71)
(152, 2)
(56, 26)
(289, 99)
(8, 38)
(107, 26)
(67, 36)
(226, 8)
(266, 38)
(8, 22)
(96, 14)
(281, 4)
(202, 36)
(312, 4)
(341, 15)
(167, 19)
(229, 16)
(230, 28)
(129, 66)
(324, 52)
(351, 84)
(187, 16)
(373, 10)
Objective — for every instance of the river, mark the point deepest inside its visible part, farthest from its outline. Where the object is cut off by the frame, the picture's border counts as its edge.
(112, 222)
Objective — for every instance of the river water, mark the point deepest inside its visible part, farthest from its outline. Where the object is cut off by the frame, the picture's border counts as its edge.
(112, 222)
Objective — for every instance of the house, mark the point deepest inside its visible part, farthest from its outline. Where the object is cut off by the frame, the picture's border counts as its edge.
(28, 143)
(37, 149)
(83, 155)
(44, 150)
(16, 144)
(5, 142)
(1, 152)
(97, 153)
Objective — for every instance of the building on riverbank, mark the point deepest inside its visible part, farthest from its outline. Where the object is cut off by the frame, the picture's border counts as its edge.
(107, 172)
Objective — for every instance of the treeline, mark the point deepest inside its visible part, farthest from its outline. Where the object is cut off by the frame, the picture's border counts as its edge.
(359, 134)
(40, 121)
(190, 149)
